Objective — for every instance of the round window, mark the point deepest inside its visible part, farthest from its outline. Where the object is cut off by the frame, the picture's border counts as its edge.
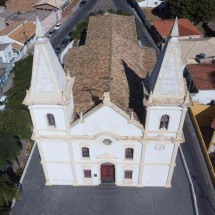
(107, 141)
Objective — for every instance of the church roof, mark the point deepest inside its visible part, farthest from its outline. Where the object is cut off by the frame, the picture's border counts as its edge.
(110, 61)
(166, 80)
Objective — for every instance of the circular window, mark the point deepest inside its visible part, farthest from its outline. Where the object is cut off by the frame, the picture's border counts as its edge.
(107, 141)
(159, 147)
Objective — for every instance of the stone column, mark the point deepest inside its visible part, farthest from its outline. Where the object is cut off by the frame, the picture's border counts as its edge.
(43, 162)
(72, 161)
(140, 178)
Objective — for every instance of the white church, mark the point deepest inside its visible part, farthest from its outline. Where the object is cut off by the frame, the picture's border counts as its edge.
(114, 114)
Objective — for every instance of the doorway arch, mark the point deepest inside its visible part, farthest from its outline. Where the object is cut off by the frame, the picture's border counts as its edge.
(107, 171)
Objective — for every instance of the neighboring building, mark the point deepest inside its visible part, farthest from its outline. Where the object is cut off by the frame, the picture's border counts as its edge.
(201, 84)
(5, 69)
(4, 15)
(91, 125)
(197, 50)
(150, 3)
(53, 5)
(6, 53)
(47, 18)
(187, 30)
(21, 5)
(21, 35)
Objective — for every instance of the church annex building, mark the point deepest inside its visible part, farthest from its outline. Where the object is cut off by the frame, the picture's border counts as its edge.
(115, 113)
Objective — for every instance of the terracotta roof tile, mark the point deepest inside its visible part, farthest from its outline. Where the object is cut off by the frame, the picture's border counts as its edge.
(203, 75)
(21, 5)
(11, 27)
(24, 32)
(111, 61)
(186, 28)
(16, 46)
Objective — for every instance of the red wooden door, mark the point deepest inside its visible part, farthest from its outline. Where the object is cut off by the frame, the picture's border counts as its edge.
(107, 172)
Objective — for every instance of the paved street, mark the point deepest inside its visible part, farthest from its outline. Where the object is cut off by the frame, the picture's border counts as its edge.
(37, 199)
(204, 190)
(80, 14)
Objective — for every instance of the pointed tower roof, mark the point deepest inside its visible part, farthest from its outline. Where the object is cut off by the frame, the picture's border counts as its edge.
(49, 82)
(166, 81)
(40, 32)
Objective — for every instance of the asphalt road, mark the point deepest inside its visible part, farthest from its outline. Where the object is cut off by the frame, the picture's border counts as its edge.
(195, 161)
(80, 14)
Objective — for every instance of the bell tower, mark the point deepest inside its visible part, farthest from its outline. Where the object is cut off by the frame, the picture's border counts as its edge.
(50, 102)
(166, 99)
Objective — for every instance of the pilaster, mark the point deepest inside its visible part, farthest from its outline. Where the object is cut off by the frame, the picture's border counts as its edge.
(172, 166)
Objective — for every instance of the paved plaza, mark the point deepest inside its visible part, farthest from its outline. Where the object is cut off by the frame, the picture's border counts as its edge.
(38, 199)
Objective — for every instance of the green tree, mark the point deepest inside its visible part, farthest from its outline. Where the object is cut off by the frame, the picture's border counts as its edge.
(7, 191)
(196, 11)
(9, 149)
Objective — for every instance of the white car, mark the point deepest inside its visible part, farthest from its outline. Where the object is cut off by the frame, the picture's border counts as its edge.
(57, 26)
(3, 100)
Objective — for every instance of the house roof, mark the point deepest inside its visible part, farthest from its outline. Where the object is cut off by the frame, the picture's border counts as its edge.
(186, 28)
(16, 46)
(54, 3)
(3, 46)
(110, 61)
(12, 26)
(190, 48)
(203, 75)
(21, 5)
(24, 32)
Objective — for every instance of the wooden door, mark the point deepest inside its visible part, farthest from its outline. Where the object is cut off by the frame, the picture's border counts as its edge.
(107, 173)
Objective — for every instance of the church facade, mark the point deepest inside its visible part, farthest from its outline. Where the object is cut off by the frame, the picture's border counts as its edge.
(114, 114)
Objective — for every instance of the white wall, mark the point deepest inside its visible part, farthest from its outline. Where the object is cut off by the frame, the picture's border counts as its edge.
(7, 54)
(154, 116)
(203, 96)
(108, 120)
(39, 118)
(155, 175)
(101, 153)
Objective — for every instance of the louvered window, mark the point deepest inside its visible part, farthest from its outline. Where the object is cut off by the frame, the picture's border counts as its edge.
(51, 120)
(164, 122)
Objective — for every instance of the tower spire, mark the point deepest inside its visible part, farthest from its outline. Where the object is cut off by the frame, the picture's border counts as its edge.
(175, 30)
(49, 82)
(40, 33)
(166, 80)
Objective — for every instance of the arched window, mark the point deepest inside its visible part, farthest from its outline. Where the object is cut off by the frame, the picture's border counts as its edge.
(51, 120)
(164, 122)
(129, 153)
(85, 152)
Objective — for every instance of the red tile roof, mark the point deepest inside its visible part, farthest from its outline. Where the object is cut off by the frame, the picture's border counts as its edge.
(186, 28)
(203, 75)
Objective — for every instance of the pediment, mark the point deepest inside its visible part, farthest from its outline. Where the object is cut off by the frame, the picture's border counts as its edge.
(107, 156)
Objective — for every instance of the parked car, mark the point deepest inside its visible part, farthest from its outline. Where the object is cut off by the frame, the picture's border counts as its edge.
(64, 43)
(57, 50)
(58, 26)
(82, 3)
(70, 33)
(69, 38)
(3, 100)
(51, 33)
